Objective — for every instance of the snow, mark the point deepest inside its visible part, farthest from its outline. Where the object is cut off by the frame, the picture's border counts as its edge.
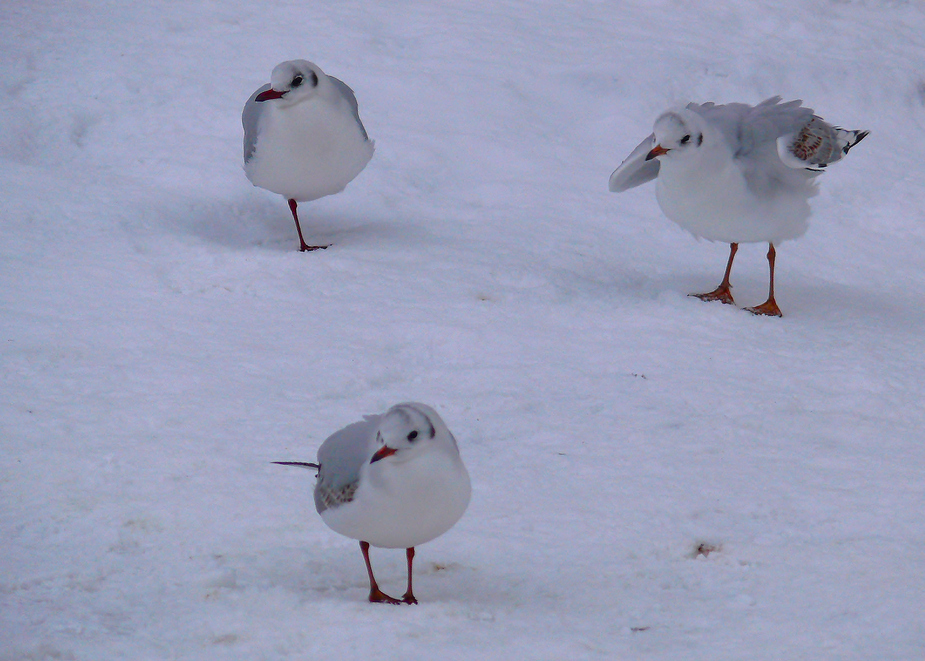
(163, 340)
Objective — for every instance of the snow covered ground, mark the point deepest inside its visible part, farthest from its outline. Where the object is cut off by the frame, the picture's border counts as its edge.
(162, 341)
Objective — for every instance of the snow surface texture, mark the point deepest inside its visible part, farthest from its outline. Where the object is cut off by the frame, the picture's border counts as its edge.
(163, 340)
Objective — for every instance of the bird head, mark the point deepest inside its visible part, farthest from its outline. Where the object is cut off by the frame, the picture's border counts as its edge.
(292, 82)
(677, 133)
(406, 430)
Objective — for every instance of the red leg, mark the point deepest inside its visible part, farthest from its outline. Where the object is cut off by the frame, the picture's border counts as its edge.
(303, 247)
(408, 597)
(722, 293)
(769, 307)
(376, 595)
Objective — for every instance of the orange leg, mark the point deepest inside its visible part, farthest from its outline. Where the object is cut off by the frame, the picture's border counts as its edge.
(303, 247)
(408, 597)
(769, 307)
(376, 595)
(722, 293)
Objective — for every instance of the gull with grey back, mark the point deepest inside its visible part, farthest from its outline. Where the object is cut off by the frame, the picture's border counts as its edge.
(394, 480)
(737, 173)
(303, 137)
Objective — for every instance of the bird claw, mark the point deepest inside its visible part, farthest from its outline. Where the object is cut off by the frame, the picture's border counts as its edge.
(768, 309)
(307, 248)
(721, 294)
(377, 596)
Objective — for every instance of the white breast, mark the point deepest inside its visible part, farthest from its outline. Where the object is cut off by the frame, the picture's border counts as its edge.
(309, 150)
(404, 505)
(710, 198)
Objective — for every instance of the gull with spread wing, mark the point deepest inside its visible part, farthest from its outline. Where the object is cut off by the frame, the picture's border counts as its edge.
(737, 173)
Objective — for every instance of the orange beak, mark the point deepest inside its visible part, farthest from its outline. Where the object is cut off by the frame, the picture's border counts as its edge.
(658, 150)
(382, 453)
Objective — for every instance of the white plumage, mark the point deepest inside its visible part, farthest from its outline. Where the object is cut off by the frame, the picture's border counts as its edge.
(737, 173)
(394, 480)
(303, 137)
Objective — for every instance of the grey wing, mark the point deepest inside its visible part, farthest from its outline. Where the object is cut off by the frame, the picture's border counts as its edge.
(753, 134)
(351, 98)
(635, 170)
(762, 125)
(250, 119)
(341, 456)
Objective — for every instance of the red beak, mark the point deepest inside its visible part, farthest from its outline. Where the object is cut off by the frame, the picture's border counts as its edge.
(382, 453)
(268, 95)
(658, 150)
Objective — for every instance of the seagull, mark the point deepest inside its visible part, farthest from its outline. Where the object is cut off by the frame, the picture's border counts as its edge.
(303, 137)
(394, 480)
(737, 173)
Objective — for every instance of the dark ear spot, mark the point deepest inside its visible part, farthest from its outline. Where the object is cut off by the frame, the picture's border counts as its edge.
(413, 435)
(314, 79)
(700, 139)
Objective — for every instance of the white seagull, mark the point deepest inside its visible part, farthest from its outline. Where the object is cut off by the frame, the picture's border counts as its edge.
(394, 480)
(737, 173)
(303, 137)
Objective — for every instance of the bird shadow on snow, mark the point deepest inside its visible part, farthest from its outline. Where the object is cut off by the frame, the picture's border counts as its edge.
(254, 223)
(800, 297)
(335, 574)
(810, 301)
(832, 302)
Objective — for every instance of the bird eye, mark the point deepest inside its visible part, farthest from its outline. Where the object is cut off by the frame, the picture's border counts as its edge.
(685, 139)
(413, 435)
(297, 81)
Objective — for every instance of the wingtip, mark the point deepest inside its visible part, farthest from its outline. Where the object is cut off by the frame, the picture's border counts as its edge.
(858, 136)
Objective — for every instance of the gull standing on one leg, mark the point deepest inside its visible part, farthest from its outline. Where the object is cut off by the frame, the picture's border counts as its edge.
(303, 137)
